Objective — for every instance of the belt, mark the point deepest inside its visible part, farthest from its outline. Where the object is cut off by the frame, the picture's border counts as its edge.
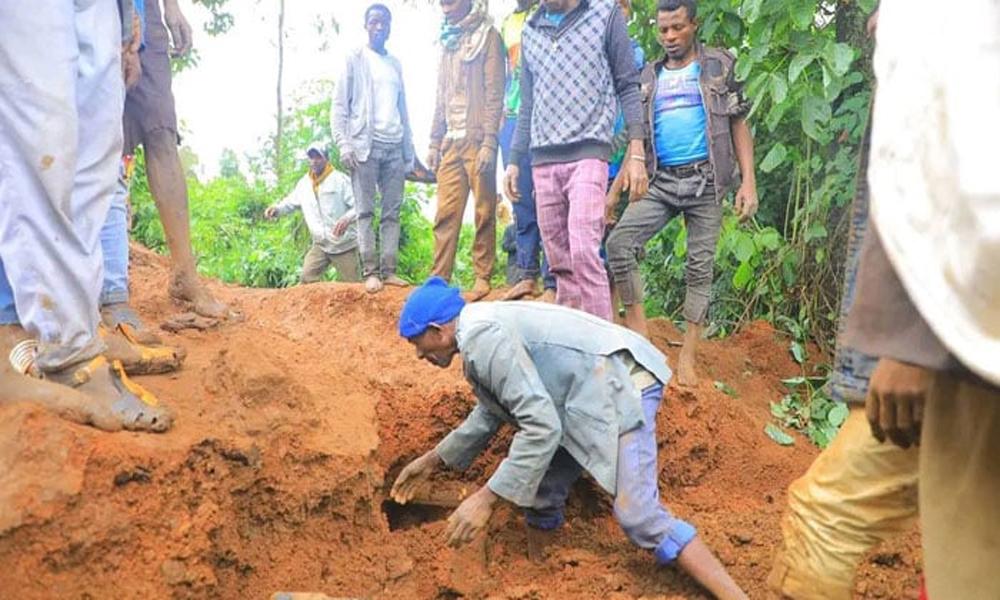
(692, 168)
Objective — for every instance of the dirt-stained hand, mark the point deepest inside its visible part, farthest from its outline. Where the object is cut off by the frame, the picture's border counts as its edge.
(745, 202)
(510, 176)
(180, 29)
(350, 160)
(433, 160)
(413, 476)
(486, 160)
(634, 180)
(470, 518)
(271, 212)
(341, 225)
(895, 402)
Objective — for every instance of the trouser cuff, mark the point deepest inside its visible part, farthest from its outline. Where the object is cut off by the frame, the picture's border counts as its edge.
(677, 539)
(114, 297)
(544, 522)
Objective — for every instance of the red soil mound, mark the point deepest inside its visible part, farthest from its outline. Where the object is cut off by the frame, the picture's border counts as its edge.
(290, 427)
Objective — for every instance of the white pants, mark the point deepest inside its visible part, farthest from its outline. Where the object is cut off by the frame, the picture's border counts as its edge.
(61, 103)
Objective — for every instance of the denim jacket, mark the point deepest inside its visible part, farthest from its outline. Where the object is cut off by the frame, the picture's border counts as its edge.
(724, 101)
(557, 375)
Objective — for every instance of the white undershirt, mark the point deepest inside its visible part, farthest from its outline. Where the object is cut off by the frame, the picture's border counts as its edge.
(388, 126)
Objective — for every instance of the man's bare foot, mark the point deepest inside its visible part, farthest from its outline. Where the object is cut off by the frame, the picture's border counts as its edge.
(479, 290)
(548, 296)
(525, 287)
(687, 376)
(395, 281)
(186, 288)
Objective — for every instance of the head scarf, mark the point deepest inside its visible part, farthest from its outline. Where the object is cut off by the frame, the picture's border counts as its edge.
(434, 302)
(469, 35)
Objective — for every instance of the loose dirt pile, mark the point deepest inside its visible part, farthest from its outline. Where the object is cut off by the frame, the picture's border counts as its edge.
(290, 427)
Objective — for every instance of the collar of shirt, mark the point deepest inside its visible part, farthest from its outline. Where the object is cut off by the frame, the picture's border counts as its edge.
(540, 20)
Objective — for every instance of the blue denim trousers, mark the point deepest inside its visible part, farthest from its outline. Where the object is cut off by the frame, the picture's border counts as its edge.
(645, 521)
(114, 244)
(529, 238)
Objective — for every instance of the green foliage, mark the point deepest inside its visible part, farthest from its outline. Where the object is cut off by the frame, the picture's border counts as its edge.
(808, 409)
(799, 62)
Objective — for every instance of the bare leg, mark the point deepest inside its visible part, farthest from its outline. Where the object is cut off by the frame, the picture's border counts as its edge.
(686, 374)
(635, 319)
(169, 189)
(699, 562)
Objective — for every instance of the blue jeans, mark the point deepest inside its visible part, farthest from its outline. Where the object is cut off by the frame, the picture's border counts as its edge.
(529, 238)
(8, 314)
(114, 244)
(852, 369)
(645, 521)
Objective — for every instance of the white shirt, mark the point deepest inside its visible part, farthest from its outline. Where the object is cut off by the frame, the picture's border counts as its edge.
(388, 126)
(322, 210)
(934, 186)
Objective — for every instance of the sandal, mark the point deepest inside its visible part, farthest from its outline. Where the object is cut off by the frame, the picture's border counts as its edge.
(138, 358)
(121, 317)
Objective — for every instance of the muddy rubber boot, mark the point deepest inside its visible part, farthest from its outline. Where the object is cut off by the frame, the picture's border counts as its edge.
(137, 358)
(525, 287)
(113, 394)
(65, 402)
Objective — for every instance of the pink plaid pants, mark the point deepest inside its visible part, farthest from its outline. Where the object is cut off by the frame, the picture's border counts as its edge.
(570, 201)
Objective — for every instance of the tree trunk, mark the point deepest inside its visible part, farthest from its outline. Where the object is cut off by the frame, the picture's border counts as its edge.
(281, 67)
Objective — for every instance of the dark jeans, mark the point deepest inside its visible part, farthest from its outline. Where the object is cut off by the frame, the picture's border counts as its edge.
(383, 172)
(529, 238)
(851, 368)
(688, 190)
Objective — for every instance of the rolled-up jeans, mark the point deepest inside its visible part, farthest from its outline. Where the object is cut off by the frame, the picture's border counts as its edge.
(645, 521)
(687, 190)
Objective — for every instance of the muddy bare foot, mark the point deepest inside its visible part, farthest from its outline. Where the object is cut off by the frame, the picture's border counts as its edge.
(186, 288)
(687, 376)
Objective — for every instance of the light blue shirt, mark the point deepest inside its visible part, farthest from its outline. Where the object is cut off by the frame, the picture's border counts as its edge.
(558, 375)
(679, 120)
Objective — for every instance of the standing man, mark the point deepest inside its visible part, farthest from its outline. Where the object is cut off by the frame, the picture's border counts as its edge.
(150, 120)
(327, 205)
(697, 120)
(529, 238)
(928, 289)
(576, 67)
(371, 127)
(61, 98)
(463, 150)
(582, 395)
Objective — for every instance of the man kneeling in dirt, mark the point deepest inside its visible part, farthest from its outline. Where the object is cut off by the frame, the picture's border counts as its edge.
(582, 394)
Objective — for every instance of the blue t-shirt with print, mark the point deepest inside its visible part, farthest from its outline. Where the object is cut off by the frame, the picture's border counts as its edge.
(679, 117)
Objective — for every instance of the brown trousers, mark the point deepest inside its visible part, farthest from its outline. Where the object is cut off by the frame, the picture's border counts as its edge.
(456, 177)
(317, 262)
(960, 489)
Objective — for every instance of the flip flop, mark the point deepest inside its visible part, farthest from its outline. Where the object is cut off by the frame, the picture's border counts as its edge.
(138, 358)
(121, 317)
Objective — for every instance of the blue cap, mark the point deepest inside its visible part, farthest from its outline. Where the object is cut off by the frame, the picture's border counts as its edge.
(433, 302)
